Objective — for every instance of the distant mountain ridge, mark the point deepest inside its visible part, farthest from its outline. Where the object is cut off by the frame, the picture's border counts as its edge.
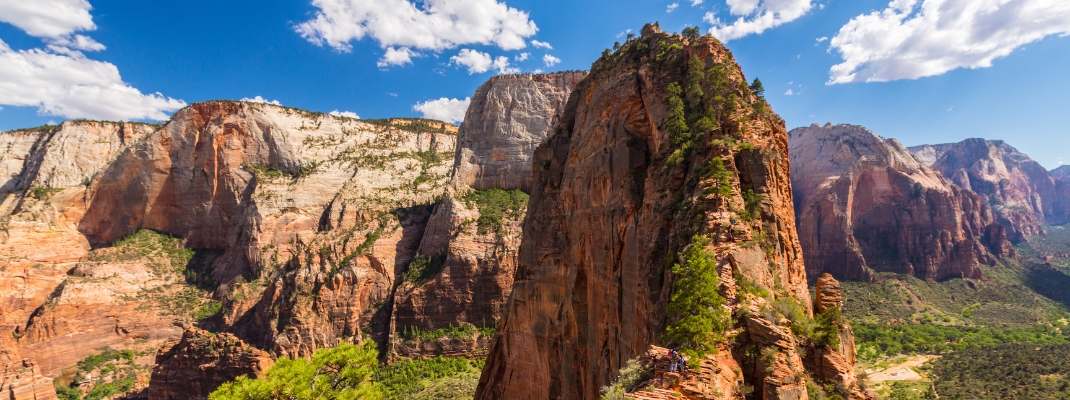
(1023, 195)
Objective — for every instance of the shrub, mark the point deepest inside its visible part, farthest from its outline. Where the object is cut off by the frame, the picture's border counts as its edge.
(628, 379)
(494, 205)
(343, 372)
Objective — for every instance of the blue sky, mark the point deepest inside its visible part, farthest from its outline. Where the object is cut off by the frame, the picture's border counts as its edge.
(921, 71)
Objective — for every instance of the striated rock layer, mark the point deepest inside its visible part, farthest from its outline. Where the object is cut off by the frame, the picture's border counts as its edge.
(617, 197)
(196, 365)
(1023, 195)
(509, 116)
(866, 204)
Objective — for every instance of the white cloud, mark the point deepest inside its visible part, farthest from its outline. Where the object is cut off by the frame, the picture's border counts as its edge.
(917, 38)
(444, 109)
(755, 17)
(400, 26)
(544, 45)
(502, 65)
(48, 18)
(347, 114)
(259, 99)
(696, 3)
(73, 86)
(396, 56)
(522, 57)
(672, 7)
(550, 60)
(478, 62)
(537, 71)
(821, 39)
(789, 93)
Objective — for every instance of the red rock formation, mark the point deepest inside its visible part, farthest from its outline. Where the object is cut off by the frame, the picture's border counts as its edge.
(22, 380)
(509, 116)
(865, 204)
(610, 209)
(1062, 173)
(196, 365)
(1024, 196)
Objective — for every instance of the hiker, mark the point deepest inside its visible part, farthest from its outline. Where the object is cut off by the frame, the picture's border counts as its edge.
(674, 359)
(683, 362)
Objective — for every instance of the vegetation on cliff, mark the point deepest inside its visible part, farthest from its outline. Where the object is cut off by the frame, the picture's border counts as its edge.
(698, 318)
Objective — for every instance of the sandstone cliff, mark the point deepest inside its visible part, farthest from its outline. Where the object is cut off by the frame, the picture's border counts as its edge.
(1024, 196)
(467, 257)
(196, 365)
(509, 116)
(866, 204)
(1062, 173)
(637, 168)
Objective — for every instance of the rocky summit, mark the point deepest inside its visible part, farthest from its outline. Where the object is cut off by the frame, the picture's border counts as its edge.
(1062, 173)
(667, 175)
(865, 204)
(1024, 196)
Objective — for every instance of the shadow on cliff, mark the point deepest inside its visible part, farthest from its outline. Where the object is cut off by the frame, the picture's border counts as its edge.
(1049, 281)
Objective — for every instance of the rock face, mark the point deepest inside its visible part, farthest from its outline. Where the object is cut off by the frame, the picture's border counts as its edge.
(196, 365)
(1024, 196)
(866, 204)
(1062, 173)
(614, 202)
(509, 116)
(23, 381)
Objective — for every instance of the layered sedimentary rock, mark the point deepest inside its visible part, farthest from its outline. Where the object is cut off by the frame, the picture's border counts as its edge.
(637, 168)
(1024, 196)
(1062, 173)
(302, 225)
(196, 365)
(470, 250)
(866, 204)
(509, 116)
(22, 380)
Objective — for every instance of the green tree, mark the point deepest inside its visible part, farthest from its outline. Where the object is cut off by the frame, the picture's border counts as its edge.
(697, 317)
(758, 88)
(692, 33)
(344, 372)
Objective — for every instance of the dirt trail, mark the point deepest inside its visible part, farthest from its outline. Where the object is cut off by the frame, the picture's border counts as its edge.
(902, 371)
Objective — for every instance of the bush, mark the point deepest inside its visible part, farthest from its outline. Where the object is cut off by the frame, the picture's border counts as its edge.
(696, 315)
(423, 268)
(628, 379)
(494, 205)
(344, 372)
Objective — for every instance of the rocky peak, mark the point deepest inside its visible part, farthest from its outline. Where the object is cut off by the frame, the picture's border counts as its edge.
(201, 361)
(866, 204)
(1062, 173)
(827, 293)
(1024, 196)
(508, 117)
(661, 149)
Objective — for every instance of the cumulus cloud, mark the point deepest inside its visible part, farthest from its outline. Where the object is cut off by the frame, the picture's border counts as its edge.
(672, 7)
(755, 17)
(544, 45)
(395, 56)
(400, 26)
(917, 38)
(695, 3)
(444, 109)
(73, 86)
(522, 57)
(550, 60)
(259, 99)
(789, 92)
(347, 114)
(479, 62)
(48, 18)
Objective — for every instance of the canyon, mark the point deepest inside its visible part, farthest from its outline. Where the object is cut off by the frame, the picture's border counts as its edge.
(865, 204)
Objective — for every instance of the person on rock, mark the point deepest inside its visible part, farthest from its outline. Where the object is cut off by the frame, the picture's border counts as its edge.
(683, 363)
(674, 360)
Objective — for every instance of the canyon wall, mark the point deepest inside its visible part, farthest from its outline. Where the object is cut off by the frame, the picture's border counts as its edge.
(1062, 173)
(509, 116)
(635, 175)
(1024, 196)
(865, 204)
